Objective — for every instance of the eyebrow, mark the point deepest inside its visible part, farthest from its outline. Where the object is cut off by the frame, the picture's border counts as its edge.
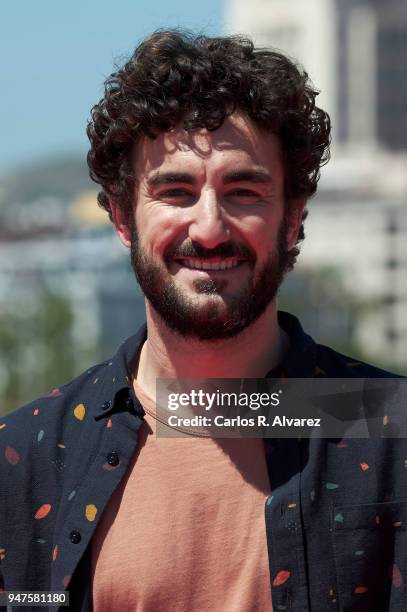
(249, 176)
(235, 176)
(164, 178)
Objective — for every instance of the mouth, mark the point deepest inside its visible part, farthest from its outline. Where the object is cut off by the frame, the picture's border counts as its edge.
(210, 265)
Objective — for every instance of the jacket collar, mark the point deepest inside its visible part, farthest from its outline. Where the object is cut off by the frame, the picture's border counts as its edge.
(300, 360)
(116, 389)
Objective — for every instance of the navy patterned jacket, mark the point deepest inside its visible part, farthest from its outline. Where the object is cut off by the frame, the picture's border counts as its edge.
(336, 520)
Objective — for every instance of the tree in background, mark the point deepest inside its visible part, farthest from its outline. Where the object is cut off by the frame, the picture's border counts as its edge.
(331, 312)
(36, 347)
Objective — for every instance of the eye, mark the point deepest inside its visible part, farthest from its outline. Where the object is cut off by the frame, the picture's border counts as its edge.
(175, 193)
(177, 196)
(243, 194)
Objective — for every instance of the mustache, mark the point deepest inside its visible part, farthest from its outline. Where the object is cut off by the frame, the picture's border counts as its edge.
(225, 249)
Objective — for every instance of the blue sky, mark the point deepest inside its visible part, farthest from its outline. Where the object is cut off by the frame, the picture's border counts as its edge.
(55, 55)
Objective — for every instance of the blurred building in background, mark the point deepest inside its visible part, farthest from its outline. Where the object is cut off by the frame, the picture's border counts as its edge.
(355, 52)
(68, 296)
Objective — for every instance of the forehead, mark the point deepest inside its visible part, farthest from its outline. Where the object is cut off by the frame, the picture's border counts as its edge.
(237, 140)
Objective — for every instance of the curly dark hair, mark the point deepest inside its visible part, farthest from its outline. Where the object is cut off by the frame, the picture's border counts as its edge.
(174, 76)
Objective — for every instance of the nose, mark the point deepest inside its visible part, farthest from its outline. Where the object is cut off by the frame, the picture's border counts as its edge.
(208, 225)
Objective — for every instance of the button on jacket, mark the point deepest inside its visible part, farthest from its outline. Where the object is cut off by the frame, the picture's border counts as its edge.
(336, 520)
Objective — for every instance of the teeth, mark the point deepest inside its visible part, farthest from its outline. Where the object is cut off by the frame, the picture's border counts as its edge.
(200, 264)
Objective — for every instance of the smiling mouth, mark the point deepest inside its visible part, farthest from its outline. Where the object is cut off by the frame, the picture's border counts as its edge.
(210, 264)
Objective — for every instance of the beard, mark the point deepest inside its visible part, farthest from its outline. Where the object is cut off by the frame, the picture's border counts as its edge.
(216, 316)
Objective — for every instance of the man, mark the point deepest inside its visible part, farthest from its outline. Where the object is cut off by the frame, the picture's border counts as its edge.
(206, 151)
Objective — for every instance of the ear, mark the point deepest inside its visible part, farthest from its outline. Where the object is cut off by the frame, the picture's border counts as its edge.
(294, 222)
(121, 223)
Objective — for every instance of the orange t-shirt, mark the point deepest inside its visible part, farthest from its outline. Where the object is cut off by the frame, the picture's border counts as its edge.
(185, 529)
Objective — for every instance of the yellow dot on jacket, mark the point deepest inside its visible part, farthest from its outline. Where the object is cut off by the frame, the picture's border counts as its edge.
(90, 512)
(79, 412)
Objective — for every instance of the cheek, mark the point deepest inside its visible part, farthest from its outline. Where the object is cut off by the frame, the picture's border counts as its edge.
(157, 231)
(260, 233)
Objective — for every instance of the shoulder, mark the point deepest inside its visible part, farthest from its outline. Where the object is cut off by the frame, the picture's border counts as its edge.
(61, 411)
(54, 404)
(333, 364)
(37, 432)
(309, 359)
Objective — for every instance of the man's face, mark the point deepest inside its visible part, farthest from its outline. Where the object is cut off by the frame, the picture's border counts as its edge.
(208, 233)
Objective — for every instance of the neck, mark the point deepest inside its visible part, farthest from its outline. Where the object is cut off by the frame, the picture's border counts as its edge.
(250, 354)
